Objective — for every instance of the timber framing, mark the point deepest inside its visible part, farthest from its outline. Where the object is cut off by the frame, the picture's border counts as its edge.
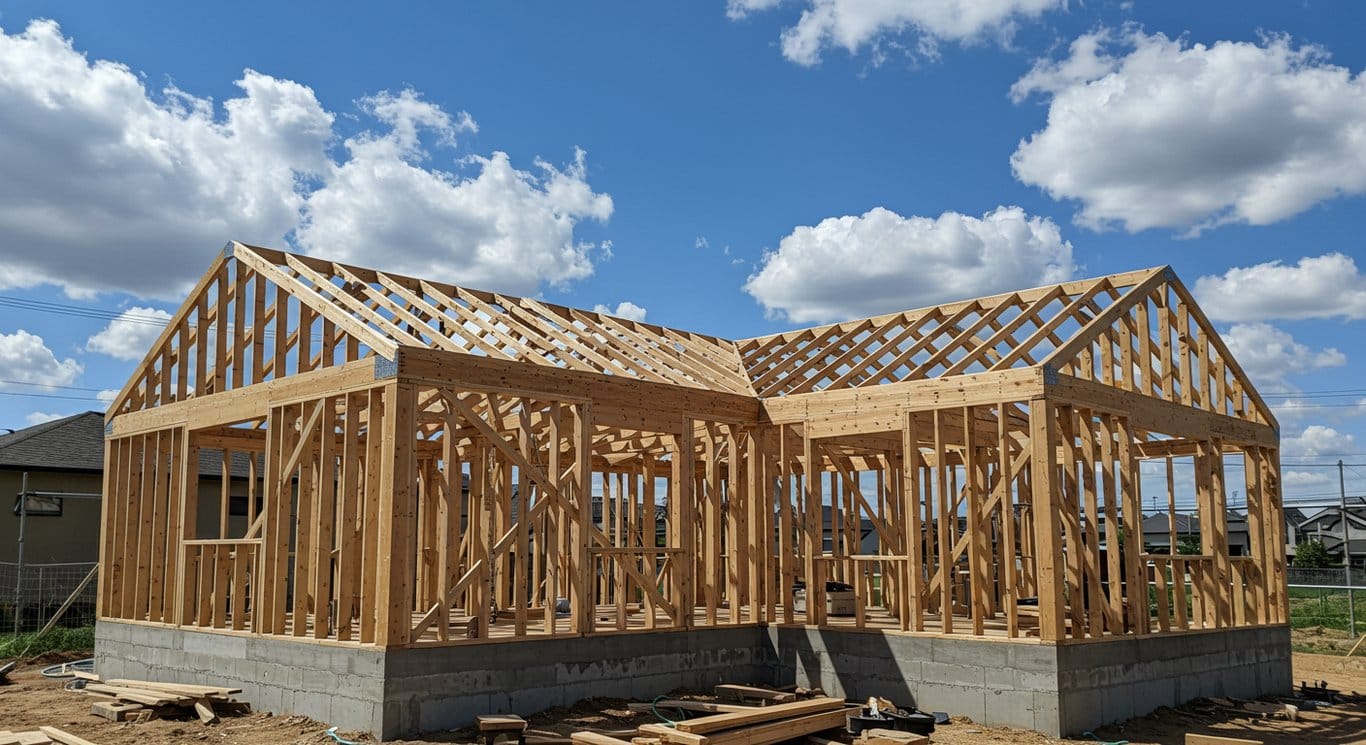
(422, 464)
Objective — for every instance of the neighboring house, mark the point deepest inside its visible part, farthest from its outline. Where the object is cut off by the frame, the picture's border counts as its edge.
(67, 455)
(64, 455)
(1157, 532)
(1326, 526)
(1293, 517)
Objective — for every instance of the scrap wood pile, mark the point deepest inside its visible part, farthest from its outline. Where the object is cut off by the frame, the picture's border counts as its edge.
(121, 700)
(776, 716)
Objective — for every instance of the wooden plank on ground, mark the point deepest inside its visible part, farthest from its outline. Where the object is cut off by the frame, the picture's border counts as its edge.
(205, 711)
(703, 725)
(65, 738)
(759, 734)
(183, 689)
(702, 706)
(140, 695)
(1196, 739)
(500, 723)
(113, 711)
(740, 692)
(880, 736)
(594, 738)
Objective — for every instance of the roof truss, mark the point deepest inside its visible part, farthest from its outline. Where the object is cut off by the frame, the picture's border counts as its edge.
(259, 314)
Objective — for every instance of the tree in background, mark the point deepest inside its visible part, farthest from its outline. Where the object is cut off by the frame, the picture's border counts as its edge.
(1312, 555)
(1188, 545)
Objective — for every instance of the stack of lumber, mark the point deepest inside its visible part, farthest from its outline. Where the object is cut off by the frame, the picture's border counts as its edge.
(758, 725)
(122, 699)
(41, 736)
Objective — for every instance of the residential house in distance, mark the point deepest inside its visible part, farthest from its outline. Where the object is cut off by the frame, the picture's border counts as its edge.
(1293, 517)
(67, 456)
(63, 455)
(1326, 526)
(1157, 532)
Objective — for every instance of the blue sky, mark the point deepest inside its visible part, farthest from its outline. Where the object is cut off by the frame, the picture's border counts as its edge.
(690, 158)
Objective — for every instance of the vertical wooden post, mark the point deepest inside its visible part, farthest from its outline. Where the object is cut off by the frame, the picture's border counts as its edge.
(555, 517)
(813, 473)
(1047, 526)
(1010, 593)
(682, 522)
(913, 537)
(397, 512)
(948, 518)
(583, 475)
(786, 555)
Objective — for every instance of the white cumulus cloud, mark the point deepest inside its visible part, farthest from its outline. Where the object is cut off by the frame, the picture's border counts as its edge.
(625, 309)
(129, 336)
(1328, 286)
(853, 24)
(878, 262)
(502, 229)
(24, 358)
(1147, 131)
(1295, 409)
(1269, 355)
(101, 178)
(1298, 480)
(39, 417)
(1317, 440)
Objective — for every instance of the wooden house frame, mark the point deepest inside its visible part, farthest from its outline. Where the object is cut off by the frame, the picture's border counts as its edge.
(434, 466)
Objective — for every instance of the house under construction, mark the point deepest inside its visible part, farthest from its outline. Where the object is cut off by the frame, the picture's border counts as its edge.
(462, 502)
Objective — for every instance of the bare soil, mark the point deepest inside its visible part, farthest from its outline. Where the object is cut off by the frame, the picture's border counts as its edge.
(32, 700)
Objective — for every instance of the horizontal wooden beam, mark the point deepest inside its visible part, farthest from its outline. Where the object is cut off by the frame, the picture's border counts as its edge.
(618, 400)
(880, 408)
(1155, 415)
(254, 401)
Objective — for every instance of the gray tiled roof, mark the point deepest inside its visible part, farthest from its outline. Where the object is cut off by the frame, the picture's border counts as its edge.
(74, 443)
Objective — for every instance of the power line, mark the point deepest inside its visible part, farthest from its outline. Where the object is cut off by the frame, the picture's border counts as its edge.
(1321, 393)
(49, 395)
(50, 385)
(43, 306)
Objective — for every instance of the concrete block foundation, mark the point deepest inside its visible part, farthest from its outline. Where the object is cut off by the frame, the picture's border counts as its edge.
(1056, 690)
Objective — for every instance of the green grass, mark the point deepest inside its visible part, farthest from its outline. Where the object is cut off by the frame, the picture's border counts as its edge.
(57, 640)
(1326, 608)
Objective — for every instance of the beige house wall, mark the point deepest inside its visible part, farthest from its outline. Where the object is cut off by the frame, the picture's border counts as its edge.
(74, 536)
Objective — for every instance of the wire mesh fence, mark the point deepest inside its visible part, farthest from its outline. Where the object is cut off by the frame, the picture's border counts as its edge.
(40, 592)
(1325, 577)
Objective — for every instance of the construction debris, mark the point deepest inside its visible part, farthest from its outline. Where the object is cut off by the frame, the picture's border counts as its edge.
(762, 696)
(879, 736)
(782, 718)
(1194, 739)
(122, 700)
(42, 736)
(493, 725)
(707, 707)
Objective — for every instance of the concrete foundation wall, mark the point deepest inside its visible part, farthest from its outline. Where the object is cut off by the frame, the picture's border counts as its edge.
(991, 682)
(1053, 689)
(1109, 682)
(333, 683)
(445, 687)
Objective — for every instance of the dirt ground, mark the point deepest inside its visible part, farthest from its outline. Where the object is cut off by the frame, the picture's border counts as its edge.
(32, 700)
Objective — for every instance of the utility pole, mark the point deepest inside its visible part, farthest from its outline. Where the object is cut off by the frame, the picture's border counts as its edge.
(1347, 552)
(19, 568)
